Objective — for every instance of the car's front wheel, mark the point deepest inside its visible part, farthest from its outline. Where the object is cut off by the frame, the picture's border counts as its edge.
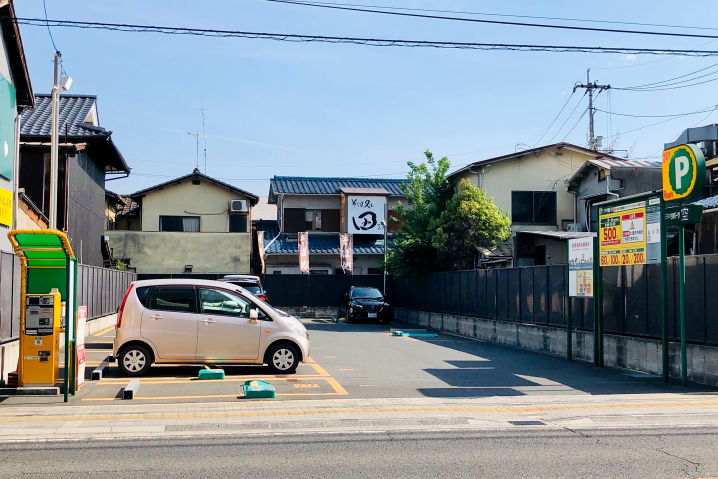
(283, 358)
(134, 360)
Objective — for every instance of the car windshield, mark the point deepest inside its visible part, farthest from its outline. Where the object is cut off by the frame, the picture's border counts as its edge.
(371, 293)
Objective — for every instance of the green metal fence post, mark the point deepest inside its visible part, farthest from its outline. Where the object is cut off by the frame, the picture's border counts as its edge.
(597, 300)
(665, 358)
(567, 313)
(682, 301)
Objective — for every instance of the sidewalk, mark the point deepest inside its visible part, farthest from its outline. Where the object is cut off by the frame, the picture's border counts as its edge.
(357, 415)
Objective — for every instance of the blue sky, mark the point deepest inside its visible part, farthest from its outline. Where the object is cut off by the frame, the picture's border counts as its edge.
(277, 108)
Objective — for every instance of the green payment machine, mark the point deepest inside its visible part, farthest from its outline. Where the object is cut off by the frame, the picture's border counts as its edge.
(48, 276)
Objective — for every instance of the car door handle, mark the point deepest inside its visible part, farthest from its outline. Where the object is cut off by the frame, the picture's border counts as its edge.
(156, 317)
(209, 321)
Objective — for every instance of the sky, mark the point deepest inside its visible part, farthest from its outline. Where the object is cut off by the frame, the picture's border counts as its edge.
(314, 109)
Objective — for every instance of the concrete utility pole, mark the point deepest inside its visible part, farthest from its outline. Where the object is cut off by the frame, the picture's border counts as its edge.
(590, 87)
(54, 142)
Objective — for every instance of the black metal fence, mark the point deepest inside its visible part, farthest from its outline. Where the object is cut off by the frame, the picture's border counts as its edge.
(314, 290)
(99, 288)
(535, 295)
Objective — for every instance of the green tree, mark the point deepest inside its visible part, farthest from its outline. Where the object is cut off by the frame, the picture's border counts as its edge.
(443, 228)
(427, 192)
(470, 221)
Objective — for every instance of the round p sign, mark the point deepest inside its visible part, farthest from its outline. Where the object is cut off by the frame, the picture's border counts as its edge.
(684, 172)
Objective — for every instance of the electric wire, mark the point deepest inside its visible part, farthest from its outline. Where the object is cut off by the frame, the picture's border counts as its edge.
(555, 118)
(670, 82)
(711, 109)
(460, 12)
(379, 42)
(668, 87)
(568, 117)
(494, 22)
(676, 78)
(52, 39)
(575, 124)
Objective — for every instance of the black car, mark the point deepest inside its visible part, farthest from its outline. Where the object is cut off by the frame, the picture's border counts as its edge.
(249, 282)
(366, 302)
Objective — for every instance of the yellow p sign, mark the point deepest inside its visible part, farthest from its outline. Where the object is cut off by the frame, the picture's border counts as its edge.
(684, 172)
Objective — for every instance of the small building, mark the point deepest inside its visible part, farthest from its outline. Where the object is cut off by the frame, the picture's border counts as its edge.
(605, 179)
(530, 185)
(192, 224)
(322, 207)
(88, 156)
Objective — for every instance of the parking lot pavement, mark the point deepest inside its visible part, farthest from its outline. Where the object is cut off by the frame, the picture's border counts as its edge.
(366, 361)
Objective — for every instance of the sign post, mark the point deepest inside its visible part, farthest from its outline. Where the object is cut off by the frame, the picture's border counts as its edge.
(629, 232)
(580, 279)
(684, 176)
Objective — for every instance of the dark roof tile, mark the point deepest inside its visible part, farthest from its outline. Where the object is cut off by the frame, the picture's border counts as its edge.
(302, 185)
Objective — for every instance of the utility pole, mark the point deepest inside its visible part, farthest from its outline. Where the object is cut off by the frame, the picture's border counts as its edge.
(590, 87)
(54, 142)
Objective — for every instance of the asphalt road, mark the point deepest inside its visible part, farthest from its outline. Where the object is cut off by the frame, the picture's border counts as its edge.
(531, 452)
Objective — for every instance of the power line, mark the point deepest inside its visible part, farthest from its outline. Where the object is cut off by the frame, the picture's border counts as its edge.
(676, 78)
(555, 118)
(52, 40)
(575, 124)
(567, 118)
(615, 22)
(494, 22)
(669, 87)
(711, 109)
(379, 42)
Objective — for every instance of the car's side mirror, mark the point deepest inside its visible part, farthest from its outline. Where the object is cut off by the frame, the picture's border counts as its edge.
(253, 314)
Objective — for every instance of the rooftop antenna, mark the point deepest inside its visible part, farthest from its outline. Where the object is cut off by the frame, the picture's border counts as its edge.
(196, 136)
(204, 139)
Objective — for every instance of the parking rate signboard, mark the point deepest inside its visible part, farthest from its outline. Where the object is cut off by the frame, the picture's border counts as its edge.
(630, 232)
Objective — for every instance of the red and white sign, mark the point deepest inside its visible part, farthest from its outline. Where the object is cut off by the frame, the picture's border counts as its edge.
(303, 243)
(632, 227)
(80, 345)
(346, 252)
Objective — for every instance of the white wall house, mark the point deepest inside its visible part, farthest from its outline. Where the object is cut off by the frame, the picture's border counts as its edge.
(193, 224)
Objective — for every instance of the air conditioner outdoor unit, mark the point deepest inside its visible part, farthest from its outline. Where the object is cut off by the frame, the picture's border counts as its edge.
(238, 206)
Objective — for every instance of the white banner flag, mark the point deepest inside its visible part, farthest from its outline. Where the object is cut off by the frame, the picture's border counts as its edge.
(346, 252)
(303, 243)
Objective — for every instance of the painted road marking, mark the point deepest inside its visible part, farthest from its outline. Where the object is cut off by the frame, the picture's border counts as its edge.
(106, 330)
(232, 379)
(392, 410)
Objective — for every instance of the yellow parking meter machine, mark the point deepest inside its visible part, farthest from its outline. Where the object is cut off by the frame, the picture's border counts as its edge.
(48, 294)
(41, 339)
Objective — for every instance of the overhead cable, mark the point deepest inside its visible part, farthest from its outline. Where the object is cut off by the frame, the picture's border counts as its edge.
(494, 22)
(379, 42)
(487, 14)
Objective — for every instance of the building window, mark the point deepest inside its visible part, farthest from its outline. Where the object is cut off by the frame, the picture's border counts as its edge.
(237, 223)
(533, 207)
(313, 220)
(179, 223)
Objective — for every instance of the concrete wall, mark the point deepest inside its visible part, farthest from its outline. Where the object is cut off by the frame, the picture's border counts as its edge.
(545, 171)
(208, 201)
(637, 354)
(169, 252)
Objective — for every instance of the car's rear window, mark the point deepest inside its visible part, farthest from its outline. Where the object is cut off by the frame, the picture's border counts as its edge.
(143, 295)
